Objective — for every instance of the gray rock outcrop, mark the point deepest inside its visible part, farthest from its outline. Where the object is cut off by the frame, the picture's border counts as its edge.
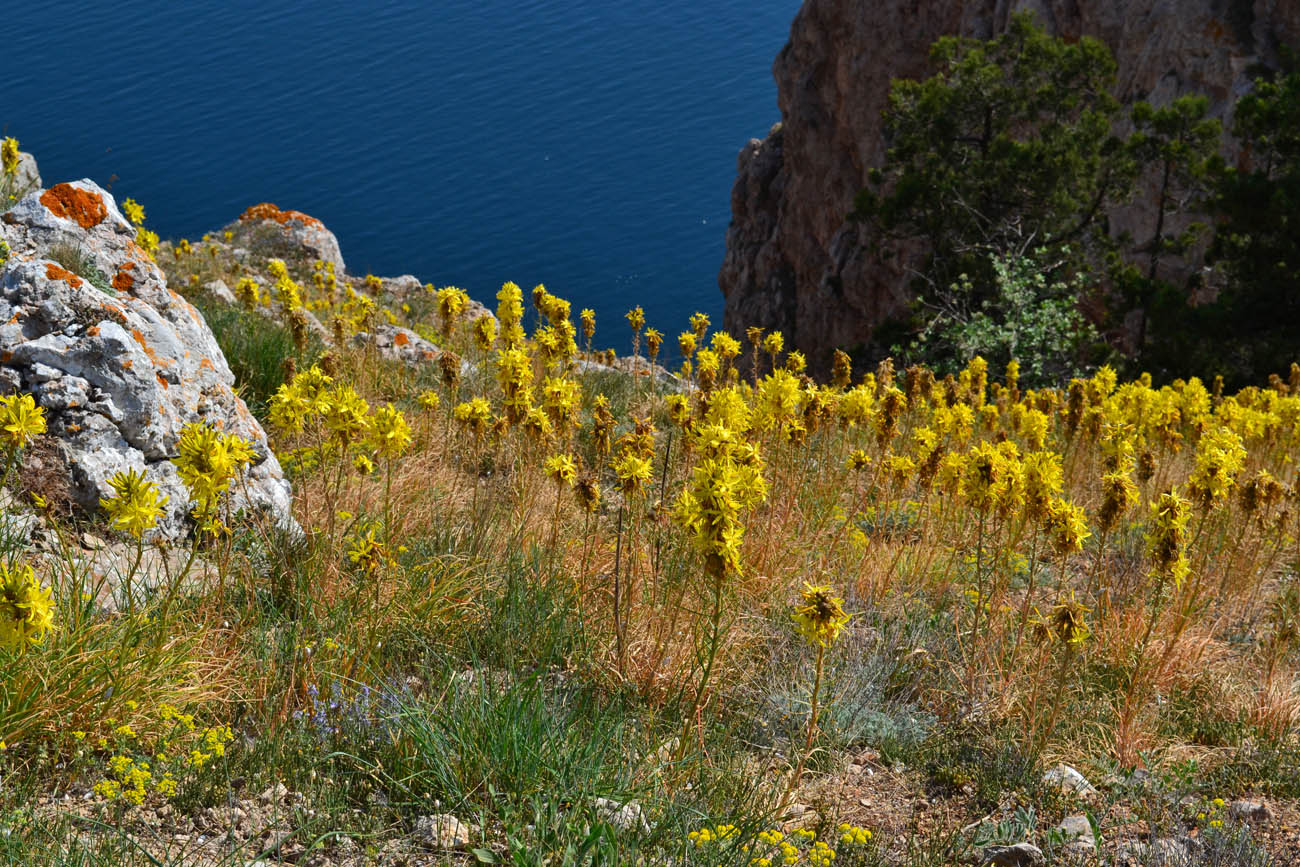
(269, 231)
(794, 263)
(120, 362)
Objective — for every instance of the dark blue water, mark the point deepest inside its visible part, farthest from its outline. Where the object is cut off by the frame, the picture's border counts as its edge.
(587, 146)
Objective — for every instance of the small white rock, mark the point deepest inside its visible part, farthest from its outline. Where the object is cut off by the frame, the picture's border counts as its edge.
(1068, 780)
(442, 831)
(624, 817)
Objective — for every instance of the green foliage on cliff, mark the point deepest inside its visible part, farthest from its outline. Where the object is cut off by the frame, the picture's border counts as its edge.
(1257, 245)
(1006, 148)
(1012, 148)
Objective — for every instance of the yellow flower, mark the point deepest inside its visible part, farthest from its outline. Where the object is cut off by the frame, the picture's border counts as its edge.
(208, 461)
(858, 460)
(9, 155)
(1067, 621)
(389, 432)
(699, 325)
(21, 420)
(633, 471)
(636, 318)
(134, 211)
(1167, 536)
(821, 617)
(562, 469)
(428, 399)
(369, 553)
(451, 304)
(510, 312)
(1066, 526)
(26, 610)
(476, 415)
(135, 505)
(588, 318)
(346, 414)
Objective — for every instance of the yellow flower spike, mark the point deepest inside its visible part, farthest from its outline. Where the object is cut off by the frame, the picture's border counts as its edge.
(699, 325)
(634, 472)
(135, 505)
(389, 433)
(821, 616)
(451, 302)
(26, 609)
(9, 155)
(1067, 621)
(133, 211)
(561, 469)
(475, 415)
(21, 421)
(636, 318)
(1066, 526)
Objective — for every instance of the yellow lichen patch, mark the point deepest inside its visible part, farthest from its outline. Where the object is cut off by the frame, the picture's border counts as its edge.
(84, 208)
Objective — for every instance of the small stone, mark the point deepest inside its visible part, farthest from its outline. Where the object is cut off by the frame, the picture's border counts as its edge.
(219, 290)
(1019, 855)
(442, 831)
(1077, 828)
(1170, 853)
(1250, 811)
(624, 817)
(274, 794)
(1068, 780)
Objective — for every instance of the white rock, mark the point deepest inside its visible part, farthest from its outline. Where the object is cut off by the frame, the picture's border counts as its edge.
(1019, 855)
(402, 344)
(624, 817)
(1077, 829)
(274, 794)
(442, 831)
(1068, 780)
(1250, 811)
(219, 290)
(120, 369)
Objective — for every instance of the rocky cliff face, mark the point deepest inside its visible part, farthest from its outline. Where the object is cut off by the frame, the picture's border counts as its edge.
(793, 262)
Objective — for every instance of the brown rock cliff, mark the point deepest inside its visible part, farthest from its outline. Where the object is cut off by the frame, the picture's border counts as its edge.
(793, 262)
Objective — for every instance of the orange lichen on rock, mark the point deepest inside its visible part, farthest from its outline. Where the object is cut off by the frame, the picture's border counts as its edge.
(54, 272)
(149, 351)
(75, 204)
(93, 331)
(268, 211)
(401, 339)
(158, 376)
(123, 281)
(206, 364)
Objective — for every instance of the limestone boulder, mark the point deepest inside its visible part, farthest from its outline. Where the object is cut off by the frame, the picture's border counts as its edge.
(120, 362)
(267, 231)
